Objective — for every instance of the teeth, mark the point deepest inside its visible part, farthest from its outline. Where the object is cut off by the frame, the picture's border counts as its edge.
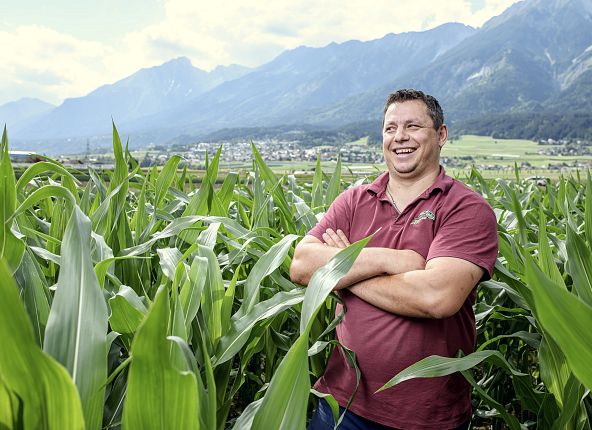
(404, 151)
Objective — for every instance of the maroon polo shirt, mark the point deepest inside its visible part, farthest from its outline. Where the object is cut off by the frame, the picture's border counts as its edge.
(446, 220)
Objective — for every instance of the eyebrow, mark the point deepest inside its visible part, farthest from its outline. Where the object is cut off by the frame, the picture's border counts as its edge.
(412, 120)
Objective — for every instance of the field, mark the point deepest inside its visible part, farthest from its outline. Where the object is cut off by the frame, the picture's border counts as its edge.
(140, 301)
(494, 158)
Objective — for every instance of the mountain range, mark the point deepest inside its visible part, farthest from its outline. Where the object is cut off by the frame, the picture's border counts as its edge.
(533, 61)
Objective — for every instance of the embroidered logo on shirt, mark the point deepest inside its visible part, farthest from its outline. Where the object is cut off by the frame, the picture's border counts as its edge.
(424, 215)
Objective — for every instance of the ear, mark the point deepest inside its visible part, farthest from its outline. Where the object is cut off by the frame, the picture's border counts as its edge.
(442, 135)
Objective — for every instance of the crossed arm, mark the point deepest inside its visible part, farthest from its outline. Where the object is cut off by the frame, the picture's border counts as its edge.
(397, 281)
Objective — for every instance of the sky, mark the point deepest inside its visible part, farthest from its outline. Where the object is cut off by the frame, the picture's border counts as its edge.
(60, 49)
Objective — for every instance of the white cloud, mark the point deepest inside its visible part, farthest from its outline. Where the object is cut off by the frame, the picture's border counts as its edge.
(45, 63)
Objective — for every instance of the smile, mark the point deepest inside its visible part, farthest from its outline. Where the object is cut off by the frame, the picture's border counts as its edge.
(404, 151)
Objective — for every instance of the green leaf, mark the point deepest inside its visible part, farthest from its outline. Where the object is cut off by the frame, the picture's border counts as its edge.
(286, 399)
(165, 179)
(39, 168)
(567, 319)
(208, 402)
(245, 420)
(35, 293)
(499, 408)
(553, 367)
(76, 333)
(174, 228)
(588, 209)
(334, 184)
(168, 259)
(266, 264)
(192, 289)
(48, 397)
(232, 342)
(45, 192)
(213, 295)
(273, 186)
(127, 311)
(572, 396)
(11, 246)
(226, 192)
(317, 185)
(435, 365)
(158, 395)
(324, 280)
(546, 260)
(579, 265)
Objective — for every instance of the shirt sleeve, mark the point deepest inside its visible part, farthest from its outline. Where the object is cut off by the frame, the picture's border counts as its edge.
(469, 232)
(337, 217)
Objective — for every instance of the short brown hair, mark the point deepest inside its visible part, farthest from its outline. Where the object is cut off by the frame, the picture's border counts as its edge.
(405, 95)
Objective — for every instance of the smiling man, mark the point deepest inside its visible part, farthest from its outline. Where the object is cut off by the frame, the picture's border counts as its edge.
(410, 293)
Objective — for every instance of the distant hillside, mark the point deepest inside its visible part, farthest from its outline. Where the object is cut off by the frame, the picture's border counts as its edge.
(19, 112)
(311, 78)
(528, 125)
(144, 93)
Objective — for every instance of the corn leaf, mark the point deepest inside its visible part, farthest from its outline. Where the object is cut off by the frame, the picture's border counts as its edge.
(158, 395)
(76, 333)
(588, 209)
(127, 311)
(546, 260)
(39, 168)
(324, 280)
(567, 319)
(317, 185)
(165, 179)
(35, 293)
(192, 289)
(266, 264)
(285, 401)
(334, 185)
(11, 246)
(48, 397)
(579, 265)
(434, 365)
(232, 342)
(213, 295)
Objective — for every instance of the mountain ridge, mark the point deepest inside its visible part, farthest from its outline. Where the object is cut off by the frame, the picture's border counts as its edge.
(535, 58)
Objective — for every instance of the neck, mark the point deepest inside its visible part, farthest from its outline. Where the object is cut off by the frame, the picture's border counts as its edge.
(409, 188)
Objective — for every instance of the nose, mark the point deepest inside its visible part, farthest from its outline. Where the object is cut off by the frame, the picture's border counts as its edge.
(401, 134)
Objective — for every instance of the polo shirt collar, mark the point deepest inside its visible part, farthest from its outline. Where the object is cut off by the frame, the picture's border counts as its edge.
(442, 183)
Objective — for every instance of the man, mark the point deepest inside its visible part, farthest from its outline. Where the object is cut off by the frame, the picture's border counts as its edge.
(409, 294)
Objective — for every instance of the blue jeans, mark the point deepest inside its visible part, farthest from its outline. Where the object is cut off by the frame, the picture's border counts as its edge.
(323, 420)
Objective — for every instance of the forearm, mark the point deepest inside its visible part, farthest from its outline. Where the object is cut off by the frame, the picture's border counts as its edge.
(397, 294)
(370, 263)
(430, 293)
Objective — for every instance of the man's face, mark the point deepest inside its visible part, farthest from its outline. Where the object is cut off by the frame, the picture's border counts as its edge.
(410, 144)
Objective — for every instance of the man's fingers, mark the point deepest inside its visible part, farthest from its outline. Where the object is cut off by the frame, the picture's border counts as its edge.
(328, 239)
(343, 237)
(337, 239)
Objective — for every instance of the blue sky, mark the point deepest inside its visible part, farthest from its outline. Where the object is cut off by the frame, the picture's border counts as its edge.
(63, 48)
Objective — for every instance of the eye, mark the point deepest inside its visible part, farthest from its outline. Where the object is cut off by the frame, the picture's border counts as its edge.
(413, 126)
(390, 129)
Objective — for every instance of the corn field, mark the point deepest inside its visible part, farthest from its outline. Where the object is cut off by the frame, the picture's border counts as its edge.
(139, 301)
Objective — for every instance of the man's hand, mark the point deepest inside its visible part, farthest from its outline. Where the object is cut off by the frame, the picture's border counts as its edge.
(336, 239)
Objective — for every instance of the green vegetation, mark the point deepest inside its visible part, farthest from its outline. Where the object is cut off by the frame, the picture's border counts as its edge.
(141, 301)
(562, 123)
(505, 152)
